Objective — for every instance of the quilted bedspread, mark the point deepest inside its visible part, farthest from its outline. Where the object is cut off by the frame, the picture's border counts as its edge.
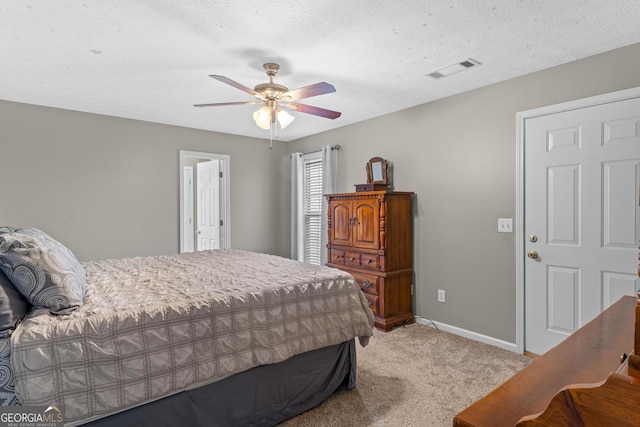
(153, 326)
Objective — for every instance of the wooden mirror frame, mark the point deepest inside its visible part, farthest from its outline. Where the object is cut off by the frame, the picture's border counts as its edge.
(373, 172)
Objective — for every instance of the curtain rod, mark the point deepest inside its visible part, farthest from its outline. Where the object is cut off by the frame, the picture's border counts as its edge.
(333, 147)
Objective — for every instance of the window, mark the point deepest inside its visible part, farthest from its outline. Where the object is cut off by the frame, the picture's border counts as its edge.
(312, 207)
(312, 176)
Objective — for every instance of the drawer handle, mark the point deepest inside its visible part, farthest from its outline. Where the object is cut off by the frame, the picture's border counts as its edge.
(367, 283)
(369, 261)
(370, 303)
(351, 258)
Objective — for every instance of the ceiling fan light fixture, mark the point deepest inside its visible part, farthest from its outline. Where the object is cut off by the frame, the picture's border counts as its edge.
(262, 117)
(284, 118)
(272, 94)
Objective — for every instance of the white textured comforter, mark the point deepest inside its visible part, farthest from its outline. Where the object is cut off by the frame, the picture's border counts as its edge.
(154, 326)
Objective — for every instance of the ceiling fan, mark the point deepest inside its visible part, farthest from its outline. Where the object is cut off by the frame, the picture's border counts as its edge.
(272, 96)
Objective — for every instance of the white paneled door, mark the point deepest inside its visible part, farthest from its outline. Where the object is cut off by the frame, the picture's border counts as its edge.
(187, 218)
(208, 205)
(581, 181)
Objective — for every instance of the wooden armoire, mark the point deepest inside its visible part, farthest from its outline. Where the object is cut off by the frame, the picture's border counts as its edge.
(370, 236)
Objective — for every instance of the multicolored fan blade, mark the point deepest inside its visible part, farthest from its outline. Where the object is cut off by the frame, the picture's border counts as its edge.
(317, 111)
(218, 104)
(235, 84)
(309, 91)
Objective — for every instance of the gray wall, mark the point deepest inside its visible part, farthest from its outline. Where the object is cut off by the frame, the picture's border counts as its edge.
(108, 187)
(458, 155)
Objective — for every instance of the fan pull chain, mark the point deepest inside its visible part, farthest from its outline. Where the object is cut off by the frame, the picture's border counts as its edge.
(271, 137)
(273, 133)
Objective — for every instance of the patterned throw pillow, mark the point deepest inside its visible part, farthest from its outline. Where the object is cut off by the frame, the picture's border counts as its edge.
(13, 307)
(7, 394)
(43, 270)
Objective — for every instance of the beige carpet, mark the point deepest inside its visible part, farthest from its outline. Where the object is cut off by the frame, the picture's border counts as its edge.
(415, 376)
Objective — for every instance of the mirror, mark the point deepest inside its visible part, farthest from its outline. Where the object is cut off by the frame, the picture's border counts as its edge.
(377, 171)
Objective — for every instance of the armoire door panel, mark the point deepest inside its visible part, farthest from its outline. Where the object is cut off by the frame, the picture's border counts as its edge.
(340, 223)
(366, 227)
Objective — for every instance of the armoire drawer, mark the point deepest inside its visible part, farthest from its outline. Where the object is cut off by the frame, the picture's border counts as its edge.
(336, 256)
(352, 259)
(370, 262)
(368, 283)
(373, 302)
(361, 260)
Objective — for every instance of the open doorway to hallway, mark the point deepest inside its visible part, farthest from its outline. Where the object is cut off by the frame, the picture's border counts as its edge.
(204, 201)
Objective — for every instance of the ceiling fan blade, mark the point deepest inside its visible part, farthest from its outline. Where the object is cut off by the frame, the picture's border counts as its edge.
(317, 111)
(235, 84)
(218, 104)
(309, 91)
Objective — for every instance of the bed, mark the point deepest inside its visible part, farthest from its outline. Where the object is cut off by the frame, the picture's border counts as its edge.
(223, 337)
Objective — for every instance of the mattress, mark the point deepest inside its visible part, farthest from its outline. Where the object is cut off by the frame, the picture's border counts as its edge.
(151, 327)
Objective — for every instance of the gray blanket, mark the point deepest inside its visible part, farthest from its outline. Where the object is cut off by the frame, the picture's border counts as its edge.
(153, 326)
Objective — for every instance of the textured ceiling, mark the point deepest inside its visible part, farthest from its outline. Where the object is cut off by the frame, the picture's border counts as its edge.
(150, 60)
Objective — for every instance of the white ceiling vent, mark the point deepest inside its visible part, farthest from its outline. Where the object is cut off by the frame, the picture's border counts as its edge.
(453, 68)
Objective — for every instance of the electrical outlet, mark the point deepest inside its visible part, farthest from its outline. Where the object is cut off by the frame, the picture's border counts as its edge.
(441, 296)
(505, 225)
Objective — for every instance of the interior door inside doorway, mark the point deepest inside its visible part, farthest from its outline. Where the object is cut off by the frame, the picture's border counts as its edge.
(216, 206)
(208, 205)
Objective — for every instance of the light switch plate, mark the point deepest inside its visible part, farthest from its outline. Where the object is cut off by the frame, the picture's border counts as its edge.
(505, 225)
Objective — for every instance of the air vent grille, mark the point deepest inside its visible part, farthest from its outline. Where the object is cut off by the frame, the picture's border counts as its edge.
(453, 68)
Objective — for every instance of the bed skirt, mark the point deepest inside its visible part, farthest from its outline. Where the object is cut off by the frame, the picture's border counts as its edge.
(262, 396)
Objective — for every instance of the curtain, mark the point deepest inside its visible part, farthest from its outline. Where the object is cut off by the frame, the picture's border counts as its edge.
(297, 218)
(329, 186)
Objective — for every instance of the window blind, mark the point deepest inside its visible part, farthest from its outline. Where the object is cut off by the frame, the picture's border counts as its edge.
(312, 208)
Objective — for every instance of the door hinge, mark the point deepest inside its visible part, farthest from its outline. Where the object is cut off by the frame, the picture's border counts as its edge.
(220, 174)
(221, 223)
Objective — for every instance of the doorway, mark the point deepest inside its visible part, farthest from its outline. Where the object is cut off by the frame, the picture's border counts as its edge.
(199, 202)
(577, 214)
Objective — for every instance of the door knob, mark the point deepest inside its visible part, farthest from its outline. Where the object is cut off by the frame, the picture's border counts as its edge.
(533, 254)
(533, 238)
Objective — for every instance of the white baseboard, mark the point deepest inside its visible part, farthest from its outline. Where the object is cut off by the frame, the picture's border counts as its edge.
(468, 334)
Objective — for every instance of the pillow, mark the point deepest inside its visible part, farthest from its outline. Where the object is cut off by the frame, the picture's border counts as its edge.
(7, 393)
(13, 306)
(43, 270)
